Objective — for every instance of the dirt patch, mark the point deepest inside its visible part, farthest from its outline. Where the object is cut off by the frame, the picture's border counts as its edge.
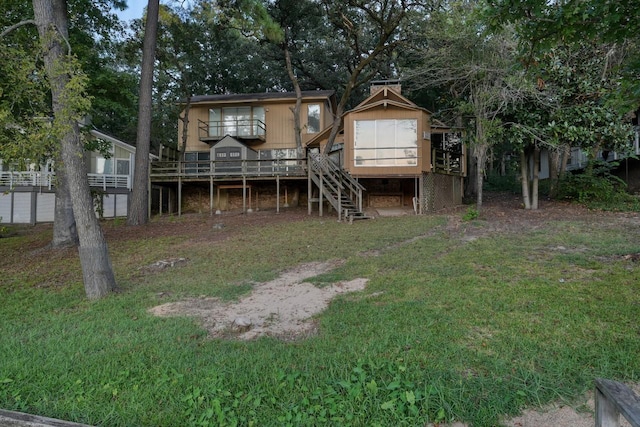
(283, 307)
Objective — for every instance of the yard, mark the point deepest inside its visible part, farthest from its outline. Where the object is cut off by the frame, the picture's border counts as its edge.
(471, 321)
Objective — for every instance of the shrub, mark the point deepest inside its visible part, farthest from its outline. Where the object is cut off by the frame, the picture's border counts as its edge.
(599, 189)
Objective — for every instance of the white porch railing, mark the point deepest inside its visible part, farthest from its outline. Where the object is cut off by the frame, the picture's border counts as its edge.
(109, 181)
(46, 179)
(26, 179)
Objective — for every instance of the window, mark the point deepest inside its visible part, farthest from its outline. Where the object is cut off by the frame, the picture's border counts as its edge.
(196, 162)
(236, 121)
(313, 118)
(386, 142)
(122, 167)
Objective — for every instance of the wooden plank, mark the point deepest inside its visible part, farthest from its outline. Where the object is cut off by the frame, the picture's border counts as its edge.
(21, 419)
(612, 399)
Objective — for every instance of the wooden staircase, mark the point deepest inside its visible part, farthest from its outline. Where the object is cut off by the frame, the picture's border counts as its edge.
(335, 185)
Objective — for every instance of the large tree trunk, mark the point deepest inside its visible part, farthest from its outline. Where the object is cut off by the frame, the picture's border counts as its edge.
(51, 20)
(139, 203)
(65, 232)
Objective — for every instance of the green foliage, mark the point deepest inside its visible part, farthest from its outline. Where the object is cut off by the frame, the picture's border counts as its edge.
(471, 214)
(385, 387)
(510, 183)
(599, 189)
(530, 318)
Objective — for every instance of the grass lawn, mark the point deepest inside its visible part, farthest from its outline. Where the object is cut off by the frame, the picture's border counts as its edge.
(448, 328)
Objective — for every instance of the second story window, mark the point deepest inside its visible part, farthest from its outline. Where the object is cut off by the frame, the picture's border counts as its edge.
(236, 121)
(313, 118)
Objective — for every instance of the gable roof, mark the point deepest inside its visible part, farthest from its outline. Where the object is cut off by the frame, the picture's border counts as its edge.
(116, 142)
(385, 97)
(257, 97)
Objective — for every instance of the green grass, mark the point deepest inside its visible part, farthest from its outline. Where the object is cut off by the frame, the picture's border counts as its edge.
(445, 330)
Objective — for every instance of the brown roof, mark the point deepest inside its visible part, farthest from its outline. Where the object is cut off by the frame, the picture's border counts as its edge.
(263, 96)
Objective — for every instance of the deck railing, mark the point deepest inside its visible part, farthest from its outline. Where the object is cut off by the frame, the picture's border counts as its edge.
(229, 168)
(109, 181)
(237, 128)
(47, 180)
(614, 399)
(26, 179)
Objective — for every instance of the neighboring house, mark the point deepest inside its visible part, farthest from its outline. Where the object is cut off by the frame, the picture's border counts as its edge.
(579, 158)
(241, 150)
(28, 196)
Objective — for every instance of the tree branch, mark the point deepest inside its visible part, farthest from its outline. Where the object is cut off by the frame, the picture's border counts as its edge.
(16, 26)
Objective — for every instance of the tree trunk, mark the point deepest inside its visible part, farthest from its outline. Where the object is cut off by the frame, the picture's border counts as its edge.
(471, 187)
(297, 127)
(185, 129)
(554, 171)
(524, 179)
(51, 20)
(480, 151)
(139, 202)
(535, 180)
(335, 129)
(65, 232)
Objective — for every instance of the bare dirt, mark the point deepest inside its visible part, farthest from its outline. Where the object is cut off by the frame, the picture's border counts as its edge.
(283, 307)
(286, 306)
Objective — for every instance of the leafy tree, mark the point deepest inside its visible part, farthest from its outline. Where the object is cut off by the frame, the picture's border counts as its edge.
(138, 213)
(67, 85)
(25, 97)
(370, 32)
(480, 72)
(542, 26)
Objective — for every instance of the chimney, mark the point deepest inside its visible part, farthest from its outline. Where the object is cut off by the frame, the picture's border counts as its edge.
(377, 85)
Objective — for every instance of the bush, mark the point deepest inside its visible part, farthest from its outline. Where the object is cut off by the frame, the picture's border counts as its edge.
(599, 190)
(510, 183)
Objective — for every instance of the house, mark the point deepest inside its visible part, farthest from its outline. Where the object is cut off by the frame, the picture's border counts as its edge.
(28, 196)
(241, 151)
(399, 153)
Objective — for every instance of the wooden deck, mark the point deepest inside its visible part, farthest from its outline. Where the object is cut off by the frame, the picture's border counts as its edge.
(227, 170)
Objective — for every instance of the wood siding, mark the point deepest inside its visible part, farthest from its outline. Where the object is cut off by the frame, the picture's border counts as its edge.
(380, 113)
(278, 120)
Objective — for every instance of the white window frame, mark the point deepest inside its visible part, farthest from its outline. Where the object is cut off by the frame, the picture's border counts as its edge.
(385, 143)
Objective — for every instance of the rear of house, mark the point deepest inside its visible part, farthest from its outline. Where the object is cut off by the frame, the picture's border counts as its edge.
(401, 155)
(244, 151)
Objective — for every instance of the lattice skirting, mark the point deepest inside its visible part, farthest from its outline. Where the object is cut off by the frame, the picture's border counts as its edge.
(440, 191)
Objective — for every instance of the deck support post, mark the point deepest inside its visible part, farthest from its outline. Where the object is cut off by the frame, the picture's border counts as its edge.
(148, 194)
(244, 194)
(277, 193)
(211, 195)
(320, 194)
(179, 196)
(309, 190)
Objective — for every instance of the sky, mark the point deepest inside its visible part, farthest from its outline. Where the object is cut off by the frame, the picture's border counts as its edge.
(133, 11)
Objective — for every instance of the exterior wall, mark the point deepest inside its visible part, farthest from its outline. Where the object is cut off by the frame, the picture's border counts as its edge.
(31, 205)
(279, 122)
(264, 196)
(424, 150)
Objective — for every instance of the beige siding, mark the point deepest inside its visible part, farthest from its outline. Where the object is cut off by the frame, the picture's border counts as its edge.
(424, 156)
(278, 120)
